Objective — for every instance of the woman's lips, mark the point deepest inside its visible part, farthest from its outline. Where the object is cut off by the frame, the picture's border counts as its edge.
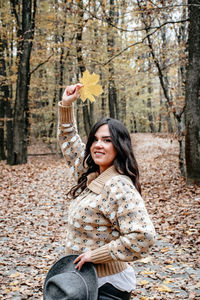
(98, 153)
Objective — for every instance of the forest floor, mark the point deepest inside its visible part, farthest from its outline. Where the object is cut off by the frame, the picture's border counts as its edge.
(33, 216)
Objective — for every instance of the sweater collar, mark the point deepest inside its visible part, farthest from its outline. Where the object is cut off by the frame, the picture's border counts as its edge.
(96, 182)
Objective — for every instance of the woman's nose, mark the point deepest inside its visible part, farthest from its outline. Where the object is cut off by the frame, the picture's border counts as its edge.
(99, 143)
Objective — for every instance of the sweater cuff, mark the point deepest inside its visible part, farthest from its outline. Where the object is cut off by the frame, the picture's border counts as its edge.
(65, 114)
(101, 255)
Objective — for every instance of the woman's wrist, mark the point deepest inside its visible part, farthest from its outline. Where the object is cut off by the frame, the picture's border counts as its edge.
(66, 103)
(71, 94)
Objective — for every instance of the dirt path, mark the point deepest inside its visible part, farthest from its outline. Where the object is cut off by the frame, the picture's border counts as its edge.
(33, 216)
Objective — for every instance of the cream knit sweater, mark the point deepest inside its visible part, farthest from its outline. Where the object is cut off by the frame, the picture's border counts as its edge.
(109, 217)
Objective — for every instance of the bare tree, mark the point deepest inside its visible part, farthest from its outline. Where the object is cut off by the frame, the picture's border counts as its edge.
(192, 111)
(25, 20)
(112, 92)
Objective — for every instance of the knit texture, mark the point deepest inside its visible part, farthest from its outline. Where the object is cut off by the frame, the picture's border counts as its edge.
(109, 217)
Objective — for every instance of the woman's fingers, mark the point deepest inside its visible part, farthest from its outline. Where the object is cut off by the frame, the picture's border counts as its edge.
(77, 259)
(72, 89)
(81, 259)
(77, 89)
(71, 93)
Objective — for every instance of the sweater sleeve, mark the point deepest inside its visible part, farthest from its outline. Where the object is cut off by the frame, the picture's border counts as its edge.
(72, 147)
(132, 230)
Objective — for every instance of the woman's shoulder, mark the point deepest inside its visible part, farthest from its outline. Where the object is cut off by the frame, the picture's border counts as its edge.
(120, 181)
(121, 187)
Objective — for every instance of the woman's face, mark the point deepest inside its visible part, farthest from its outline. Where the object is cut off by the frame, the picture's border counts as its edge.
(102, 150)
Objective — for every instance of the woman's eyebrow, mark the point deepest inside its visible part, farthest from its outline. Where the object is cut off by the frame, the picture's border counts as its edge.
(104, 136)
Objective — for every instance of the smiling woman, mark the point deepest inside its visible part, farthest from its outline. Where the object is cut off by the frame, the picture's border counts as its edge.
(108, 224)
(102, 150)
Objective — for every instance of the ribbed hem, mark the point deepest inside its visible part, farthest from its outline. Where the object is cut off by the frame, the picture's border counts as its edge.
(65, 114)
(104, 269)
(110, 268)
(101, 255)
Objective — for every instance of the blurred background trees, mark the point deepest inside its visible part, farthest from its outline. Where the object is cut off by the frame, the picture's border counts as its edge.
(139, 49)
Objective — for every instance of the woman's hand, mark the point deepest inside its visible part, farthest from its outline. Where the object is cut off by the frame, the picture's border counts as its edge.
(81, 259)
(71, 94)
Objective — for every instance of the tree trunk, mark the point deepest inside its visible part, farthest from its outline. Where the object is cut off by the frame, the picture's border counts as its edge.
(9, 110)
(2, 140)
(103, 102)
(5, 105)
(150, 116)
(86, 115)
(192, 111)
(181, 126)
(58, 66)
(122, 114)
(149, 106)
(181, 37)
(9, 131)
(133, 123)
(62, 52)
(21, 111)
(160, 112)
(112, 93)
(3, 98)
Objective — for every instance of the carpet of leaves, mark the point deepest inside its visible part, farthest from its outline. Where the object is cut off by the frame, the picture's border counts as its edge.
(33, 206)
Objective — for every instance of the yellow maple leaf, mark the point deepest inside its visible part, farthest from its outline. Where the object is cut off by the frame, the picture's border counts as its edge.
(168, 280)
(90, 87)
(164, 288)
(16, 289)
(147, 272)
(170, 267)
(16, 274)
(145, 260)
(144, 282)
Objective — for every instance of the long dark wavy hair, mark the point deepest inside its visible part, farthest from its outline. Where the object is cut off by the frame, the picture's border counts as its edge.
(124, 162)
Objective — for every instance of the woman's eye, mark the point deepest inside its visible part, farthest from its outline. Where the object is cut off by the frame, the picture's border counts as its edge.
(107, 140)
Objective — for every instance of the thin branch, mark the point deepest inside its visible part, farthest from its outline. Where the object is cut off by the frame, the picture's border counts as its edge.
(34, 14)
(44, 154)
(136, 29)
(13, 4)
(106, 19)
(125, 49)
(160, 73)
(41, 64)
(170, 6)
(137, 43)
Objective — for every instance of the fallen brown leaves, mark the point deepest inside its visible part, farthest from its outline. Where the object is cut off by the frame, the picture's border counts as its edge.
(33, 217)
(173, 272)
